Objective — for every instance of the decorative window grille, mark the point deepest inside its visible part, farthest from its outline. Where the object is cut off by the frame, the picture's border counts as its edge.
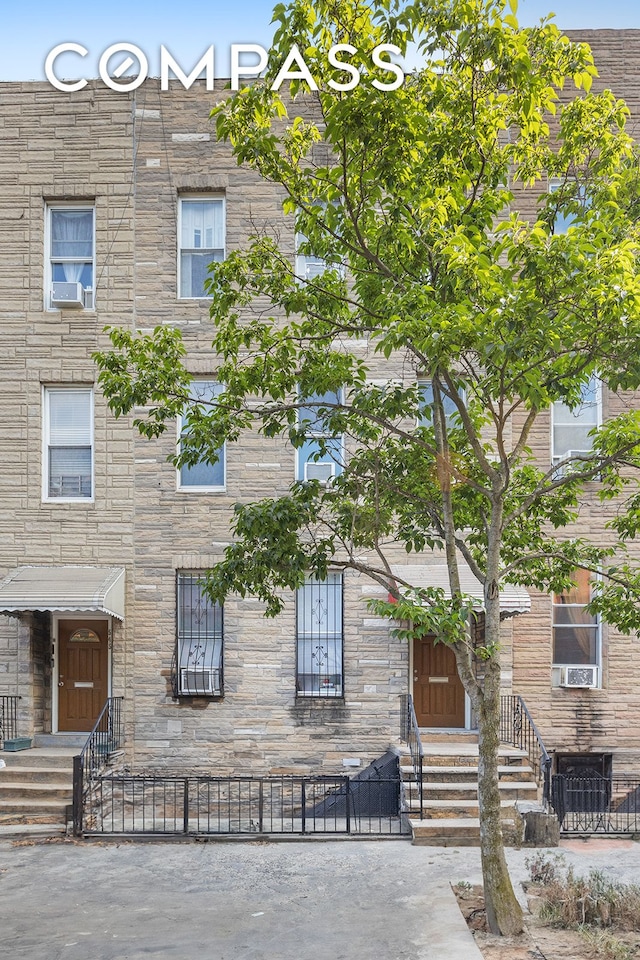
(200, 640)
(319, 618)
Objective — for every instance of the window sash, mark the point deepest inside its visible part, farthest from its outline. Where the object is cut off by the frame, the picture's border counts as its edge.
(318, 436)
(68, 432)
(201, 241)
(576, 633)
(425, 417)
(71, 247)
(320, 641)
(202, 476)
(570, 429)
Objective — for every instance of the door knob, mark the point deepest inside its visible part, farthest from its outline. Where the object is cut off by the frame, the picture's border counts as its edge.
(61, 683)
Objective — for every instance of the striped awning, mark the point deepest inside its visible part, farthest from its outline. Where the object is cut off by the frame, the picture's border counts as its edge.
(64, 589)
(512, 599)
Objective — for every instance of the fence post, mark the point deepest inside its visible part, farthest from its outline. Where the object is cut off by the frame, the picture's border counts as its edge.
(185, 806)
(304, 806)
(348, 803)
(78, 799)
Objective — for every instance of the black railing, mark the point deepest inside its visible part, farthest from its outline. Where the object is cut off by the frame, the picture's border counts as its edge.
(103, 741)
(202, 805)
(518, 729)
(410, 733)
(586, 805)
(8, 717)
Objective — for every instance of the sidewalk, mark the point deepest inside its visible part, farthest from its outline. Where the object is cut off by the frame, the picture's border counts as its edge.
(334, 900)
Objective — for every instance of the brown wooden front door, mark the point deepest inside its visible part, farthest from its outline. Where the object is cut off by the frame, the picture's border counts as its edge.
(438, 694)
(83, 673)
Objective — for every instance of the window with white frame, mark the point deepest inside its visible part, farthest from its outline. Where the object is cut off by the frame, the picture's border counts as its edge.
(425, 388)
(321, 455)
(570, 429)
(200, 640)
(319, 637)
(201, 476)
(68, 443)
(563, 221)
(576, 635)
(70, 256)
(308, 266)
(201, 240)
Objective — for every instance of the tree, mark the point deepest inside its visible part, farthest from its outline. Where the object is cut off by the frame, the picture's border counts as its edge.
(410, 197)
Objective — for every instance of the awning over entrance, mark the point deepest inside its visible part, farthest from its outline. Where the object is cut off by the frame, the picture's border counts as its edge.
(69, 589)
(512, 599)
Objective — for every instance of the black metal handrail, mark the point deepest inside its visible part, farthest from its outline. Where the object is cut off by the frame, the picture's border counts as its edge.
(518, 729)
(9, 716)
(410, 733)
(103, 741)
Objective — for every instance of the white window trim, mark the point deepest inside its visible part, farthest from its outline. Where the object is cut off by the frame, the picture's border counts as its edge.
(48, 273)
(556, 668)
(556, 459)
(300, 464)
(186, 198)
(45, 444)
(192, 488)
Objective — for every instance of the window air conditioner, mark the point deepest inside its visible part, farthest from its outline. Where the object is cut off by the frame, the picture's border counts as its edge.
(579, 677)
(199, 682)
(64, 294)
(324, 471)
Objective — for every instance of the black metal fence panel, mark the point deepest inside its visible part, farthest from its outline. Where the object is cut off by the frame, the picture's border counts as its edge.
(586, 805)
(8, 717)
(203, 805)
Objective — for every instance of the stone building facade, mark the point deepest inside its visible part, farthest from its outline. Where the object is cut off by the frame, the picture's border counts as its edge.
(101, 191)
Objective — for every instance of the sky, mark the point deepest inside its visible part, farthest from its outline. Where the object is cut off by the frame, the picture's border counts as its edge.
(31, 28)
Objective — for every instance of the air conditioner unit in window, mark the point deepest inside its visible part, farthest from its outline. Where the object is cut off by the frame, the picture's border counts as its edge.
(66, 294)
(579, 677)
(322, 471)
(199, 682)
(564, 467)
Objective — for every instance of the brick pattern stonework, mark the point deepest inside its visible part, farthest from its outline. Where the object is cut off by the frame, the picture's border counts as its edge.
(135, 156)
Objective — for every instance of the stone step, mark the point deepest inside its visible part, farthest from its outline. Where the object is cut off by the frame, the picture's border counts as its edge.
(39, 828)
(437, 809)
(28, 791)
(26, 811)
(457, 832)
(37, 774)
(509, 789)
(42, 757)
(75, 741)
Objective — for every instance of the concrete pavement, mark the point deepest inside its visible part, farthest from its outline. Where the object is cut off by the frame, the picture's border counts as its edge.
(333, 900)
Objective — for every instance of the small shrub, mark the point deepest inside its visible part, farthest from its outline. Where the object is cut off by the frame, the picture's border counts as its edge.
(605, 945)
(545, 867)
(463, 885)
(594, 901)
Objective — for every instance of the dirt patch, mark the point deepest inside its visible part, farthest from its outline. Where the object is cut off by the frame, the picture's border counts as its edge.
(538, 941)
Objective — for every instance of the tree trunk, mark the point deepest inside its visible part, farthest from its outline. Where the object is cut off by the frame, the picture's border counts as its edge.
(504, 914)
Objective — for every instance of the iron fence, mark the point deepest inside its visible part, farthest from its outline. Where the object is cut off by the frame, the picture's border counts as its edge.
(204, 805)
(586, 805)
(103, 741)
(8, 717)
(518, 729)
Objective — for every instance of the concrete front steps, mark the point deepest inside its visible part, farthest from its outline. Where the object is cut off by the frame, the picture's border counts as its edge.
(450, 790)
(36, 790)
